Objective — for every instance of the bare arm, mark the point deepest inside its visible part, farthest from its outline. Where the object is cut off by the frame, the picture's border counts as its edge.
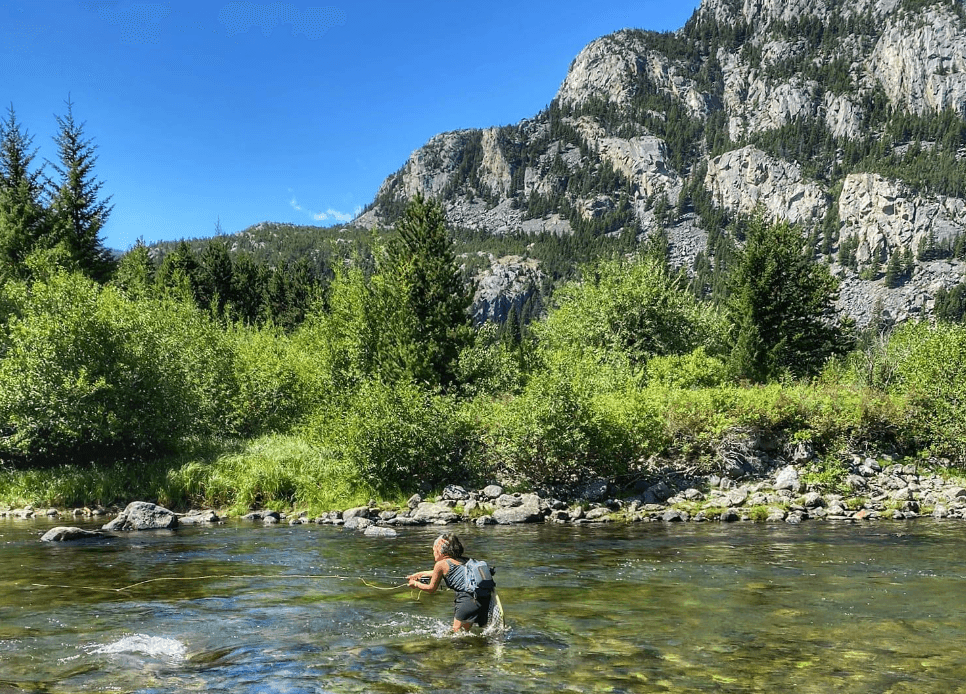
(435, 578)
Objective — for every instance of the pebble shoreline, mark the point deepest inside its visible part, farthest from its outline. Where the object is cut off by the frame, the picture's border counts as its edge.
(869, 491)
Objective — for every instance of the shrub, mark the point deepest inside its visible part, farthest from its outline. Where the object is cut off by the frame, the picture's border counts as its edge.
(549, 435)
(396, 436)
(628, 311)
(86, 372)
(931, 370)
(273, 392)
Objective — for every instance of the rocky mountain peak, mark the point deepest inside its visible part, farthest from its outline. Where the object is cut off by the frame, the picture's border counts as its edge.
(844, 117)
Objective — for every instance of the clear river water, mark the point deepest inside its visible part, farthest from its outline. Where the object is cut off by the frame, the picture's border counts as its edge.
(744, 607)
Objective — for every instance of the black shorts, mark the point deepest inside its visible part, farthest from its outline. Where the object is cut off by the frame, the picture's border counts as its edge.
(470, 609)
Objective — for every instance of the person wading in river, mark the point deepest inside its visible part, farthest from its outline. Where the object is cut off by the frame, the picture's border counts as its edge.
(473, 594)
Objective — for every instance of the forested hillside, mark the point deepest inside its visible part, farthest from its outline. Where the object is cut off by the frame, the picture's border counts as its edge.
(744, 229)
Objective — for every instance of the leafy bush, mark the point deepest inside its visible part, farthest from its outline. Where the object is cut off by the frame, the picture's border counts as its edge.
(694, 370)
(273, 392)
(628, 311)
(931, 372)
(549, 434)
(86, 372)
(396, 437)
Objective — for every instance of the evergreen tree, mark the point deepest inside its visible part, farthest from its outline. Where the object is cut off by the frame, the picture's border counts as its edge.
(179, 274)
(249, 281)
(893, 274)
(782, 306)
(424, 260)
(950, 306)
(215, 277)
(77, 214)
(135, 272)
(23, 219)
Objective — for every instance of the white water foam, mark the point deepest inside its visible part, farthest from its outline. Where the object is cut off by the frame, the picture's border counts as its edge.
(155, 646)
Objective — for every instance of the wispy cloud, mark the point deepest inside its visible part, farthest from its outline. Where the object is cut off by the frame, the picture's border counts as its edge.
(336, 215)
(330, 215)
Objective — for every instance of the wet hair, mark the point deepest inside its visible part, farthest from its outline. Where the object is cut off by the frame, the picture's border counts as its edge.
(449, 545)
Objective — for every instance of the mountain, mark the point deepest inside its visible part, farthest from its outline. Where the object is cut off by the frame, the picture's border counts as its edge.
(846, 118)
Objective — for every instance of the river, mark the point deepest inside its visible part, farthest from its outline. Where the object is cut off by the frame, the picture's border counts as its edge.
(651, 607)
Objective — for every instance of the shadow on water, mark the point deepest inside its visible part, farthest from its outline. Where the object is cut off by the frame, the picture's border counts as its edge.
(643, 608)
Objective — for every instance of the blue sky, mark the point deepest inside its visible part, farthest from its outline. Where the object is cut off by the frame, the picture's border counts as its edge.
(242, 112)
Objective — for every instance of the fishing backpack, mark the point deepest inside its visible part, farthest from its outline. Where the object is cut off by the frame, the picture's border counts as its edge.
(479, 577)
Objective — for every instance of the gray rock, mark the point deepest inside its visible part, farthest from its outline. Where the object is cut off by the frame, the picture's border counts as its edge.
(428, 512)
(69, 533)
(357, 512)
(813, 500)
(559, 516)
(787, 478)
(528, 511)
(141, 515)
(492, 491)
(379, 531)
(674, 516)
(453, 492)
(486, 520)
(508, 501)
(730, 515)
(594, 491)
(659, 491)
(597, 514)
(692, 494)
(737, 497)
(414, 501)
(356, 523)
(198, 517)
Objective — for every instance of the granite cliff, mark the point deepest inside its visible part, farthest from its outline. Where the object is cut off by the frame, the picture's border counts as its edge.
(845, 118)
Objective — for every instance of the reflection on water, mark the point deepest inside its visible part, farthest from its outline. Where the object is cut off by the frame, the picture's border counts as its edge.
(644, 608)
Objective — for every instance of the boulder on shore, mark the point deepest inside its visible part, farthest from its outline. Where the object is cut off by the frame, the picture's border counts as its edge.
(142, 515)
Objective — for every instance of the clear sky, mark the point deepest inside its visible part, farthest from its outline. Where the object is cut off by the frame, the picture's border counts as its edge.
(242, 112)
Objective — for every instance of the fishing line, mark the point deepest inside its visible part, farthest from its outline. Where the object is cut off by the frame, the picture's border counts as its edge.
(219, 576)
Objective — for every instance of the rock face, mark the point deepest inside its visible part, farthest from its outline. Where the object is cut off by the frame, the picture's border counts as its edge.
(887, 216)
(141, 515)
(608, 153)
(746, 178)
(508, 284)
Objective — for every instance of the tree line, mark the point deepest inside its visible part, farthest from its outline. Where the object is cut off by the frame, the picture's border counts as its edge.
(60, 212)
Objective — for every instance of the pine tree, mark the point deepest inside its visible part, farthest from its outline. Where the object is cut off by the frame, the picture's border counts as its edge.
(77, 214)
(893, 274)
(135, 272)
(425, 261)
(215, 275)
(782, 306)
(23, 219)
(179, 274)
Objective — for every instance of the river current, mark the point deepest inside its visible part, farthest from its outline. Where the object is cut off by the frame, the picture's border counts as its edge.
(650, 607)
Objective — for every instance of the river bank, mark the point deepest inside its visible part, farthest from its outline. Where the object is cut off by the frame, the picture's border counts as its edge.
(750, 486)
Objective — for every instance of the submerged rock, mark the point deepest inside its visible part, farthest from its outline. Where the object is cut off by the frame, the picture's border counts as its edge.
(69, 533)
